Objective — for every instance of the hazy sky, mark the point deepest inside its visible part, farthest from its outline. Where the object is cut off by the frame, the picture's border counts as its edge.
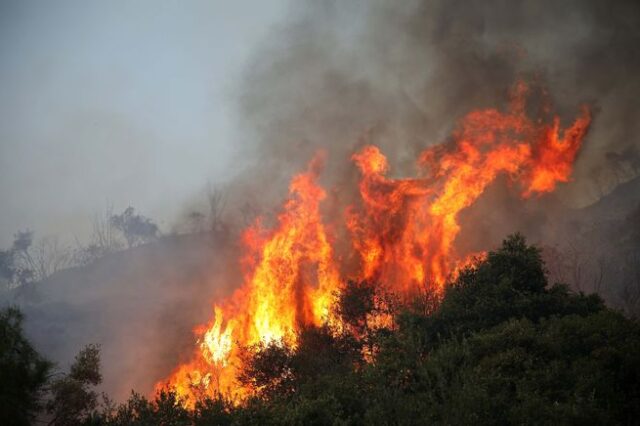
(126, 102)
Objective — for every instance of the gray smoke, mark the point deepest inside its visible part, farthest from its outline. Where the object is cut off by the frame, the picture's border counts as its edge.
(399, 74)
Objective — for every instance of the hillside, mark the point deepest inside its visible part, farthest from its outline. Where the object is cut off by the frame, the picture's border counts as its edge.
(138, 304)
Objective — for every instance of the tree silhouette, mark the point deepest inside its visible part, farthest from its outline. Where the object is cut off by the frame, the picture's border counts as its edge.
(135, 228)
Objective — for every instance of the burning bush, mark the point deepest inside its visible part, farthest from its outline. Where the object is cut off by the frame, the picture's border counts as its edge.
(399, 234)
(503, 347)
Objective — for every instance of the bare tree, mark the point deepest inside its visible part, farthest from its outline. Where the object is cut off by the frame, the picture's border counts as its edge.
(27, 262)
(104, 239)
(105, 235)
(580, 264)
(217, 200)
(575, 262)
(630, 290)
(556, 263)
(600, 271)
(49, 256)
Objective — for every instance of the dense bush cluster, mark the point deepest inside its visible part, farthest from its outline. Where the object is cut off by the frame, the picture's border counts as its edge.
(501, 347)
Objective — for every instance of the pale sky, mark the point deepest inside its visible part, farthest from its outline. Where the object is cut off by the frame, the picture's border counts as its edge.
(126, 102)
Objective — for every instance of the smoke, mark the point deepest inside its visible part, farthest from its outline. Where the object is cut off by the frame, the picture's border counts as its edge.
(399, 75)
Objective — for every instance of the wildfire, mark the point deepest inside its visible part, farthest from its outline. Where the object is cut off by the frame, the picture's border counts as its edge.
(401, 232)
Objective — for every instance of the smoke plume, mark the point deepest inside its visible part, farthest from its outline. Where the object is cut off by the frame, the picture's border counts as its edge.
(399, 75)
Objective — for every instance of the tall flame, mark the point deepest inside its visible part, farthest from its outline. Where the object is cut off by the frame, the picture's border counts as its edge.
(401, 231)
(290, 281)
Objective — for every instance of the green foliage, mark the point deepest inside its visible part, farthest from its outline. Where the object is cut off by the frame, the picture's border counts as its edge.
(213, 412)
(23, 372)
(27, 386)
(355, 303)
(510, 283)
(138, 411)
(563, 370)
(277, 371)
(268, 369)
(72, 396)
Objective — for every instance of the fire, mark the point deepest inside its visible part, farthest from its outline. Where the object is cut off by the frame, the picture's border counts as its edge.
(401, 232)
(290, 281)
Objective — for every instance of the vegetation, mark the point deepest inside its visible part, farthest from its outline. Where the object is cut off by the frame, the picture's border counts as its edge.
(23, 372)
(500, 347)
(27, 262)
(72, 399)
(136, 229)
(32, 391)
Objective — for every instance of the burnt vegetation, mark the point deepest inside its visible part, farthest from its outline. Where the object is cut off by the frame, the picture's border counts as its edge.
(502, 346)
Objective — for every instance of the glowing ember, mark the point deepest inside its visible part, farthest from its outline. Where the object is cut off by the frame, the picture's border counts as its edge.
(402, 233)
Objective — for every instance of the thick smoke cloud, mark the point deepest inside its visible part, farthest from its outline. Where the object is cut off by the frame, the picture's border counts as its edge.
(399, 74)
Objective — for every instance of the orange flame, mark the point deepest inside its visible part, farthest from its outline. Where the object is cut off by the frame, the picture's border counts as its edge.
(402, 233)
(291, 281)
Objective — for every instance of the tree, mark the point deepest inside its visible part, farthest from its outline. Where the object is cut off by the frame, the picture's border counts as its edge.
(217, 200)
(561, 370)
(72, 396)
(165, 409)
(103, 240)
(267, 370)
(8, 268)
(505, 348)
(27, 262)
(136, 229)
(510, 283)
(356, 303)
(630, 289)
(23, 371)
(49, 256)
(17, 266)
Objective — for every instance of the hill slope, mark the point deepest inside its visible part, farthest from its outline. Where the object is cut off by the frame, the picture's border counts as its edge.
(140, 305)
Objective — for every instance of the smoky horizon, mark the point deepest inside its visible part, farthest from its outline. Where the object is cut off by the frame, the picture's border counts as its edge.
(118, 105)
